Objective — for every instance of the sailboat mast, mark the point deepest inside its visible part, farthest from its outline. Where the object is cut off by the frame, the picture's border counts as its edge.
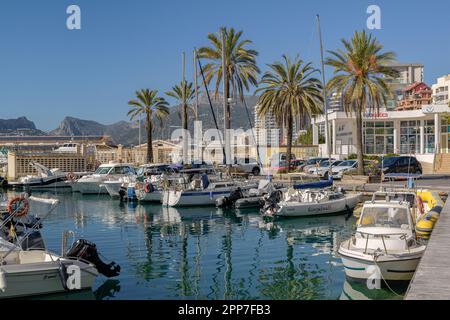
(226, 111)
(183, 111)
(196, 84)
(324, 91)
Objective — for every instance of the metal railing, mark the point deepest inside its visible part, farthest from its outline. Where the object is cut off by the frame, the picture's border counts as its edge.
(367, 236)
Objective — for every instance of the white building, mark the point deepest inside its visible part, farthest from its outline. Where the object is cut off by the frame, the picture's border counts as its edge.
(440, 90)
(422, 133)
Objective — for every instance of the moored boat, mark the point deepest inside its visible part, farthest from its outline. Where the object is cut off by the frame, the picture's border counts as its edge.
(29, 269)
(384, 245)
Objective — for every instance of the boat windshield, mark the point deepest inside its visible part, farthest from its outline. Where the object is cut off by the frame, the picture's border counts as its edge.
(103, 170)
(385, 217)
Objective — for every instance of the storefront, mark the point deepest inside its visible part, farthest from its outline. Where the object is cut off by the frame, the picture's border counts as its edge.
(422, 133)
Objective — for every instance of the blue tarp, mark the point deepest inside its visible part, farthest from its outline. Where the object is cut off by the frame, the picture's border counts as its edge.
(314, 185)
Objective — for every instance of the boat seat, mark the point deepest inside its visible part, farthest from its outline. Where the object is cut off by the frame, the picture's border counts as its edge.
(12, 258)
(32, 256)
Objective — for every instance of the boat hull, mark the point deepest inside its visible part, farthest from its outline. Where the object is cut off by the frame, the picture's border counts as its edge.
(43, 184)
(363, 266)
(42, 278)
(155, 196)
(298, 209)
(112, 188)
(88, 187)
(175, 198)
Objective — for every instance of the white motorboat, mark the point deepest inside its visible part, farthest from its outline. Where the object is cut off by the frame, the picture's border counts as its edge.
(300, 203)
(113, 187)
(384, 245)
(92, 184)
(152, 189)
(44, 179)
(27, 268)
(201, 192)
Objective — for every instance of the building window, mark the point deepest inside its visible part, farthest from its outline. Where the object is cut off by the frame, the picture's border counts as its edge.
(429, 137)
(378, 137)
(409, 137)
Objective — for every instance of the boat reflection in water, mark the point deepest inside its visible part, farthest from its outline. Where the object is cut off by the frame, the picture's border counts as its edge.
(358, 290)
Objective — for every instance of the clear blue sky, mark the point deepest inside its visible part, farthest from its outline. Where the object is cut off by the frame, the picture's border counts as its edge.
(48, 72)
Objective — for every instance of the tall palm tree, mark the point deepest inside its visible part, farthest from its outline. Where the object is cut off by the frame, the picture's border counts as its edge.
(290, 89)
(183, 93)
(360, 73)
(147, 102)
(240, 62)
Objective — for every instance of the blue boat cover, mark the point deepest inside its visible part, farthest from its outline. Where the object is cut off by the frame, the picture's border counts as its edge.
(315, 185)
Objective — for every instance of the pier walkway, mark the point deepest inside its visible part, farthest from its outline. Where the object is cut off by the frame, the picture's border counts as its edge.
(432, 278)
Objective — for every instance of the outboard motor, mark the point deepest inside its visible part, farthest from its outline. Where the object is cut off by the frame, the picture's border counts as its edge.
(271, 203)
(228, 202)
(87, 250)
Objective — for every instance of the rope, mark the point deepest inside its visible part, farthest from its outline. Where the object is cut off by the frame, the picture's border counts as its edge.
(375, 257)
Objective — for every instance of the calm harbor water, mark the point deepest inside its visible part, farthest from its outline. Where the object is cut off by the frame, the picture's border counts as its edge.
(206, 253)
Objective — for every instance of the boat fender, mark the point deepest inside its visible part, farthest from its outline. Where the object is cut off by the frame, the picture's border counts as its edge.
(420, 205)
(63, 275)
(3, 284)
(148, 188)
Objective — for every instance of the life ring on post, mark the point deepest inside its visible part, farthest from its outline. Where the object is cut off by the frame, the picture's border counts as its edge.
(20, 205)
(420, 205)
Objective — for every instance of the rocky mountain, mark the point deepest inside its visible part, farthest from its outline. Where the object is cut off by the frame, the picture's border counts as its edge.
(122, 132)
(127, 133)
(14, 124)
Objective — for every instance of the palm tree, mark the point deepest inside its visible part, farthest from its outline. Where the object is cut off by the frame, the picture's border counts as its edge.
(183, 93)
(360, 73)
(240, 63)
(290, 89)
(153, 107)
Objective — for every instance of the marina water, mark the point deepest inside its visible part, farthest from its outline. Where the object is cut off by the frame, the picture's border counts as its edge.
(206, 253)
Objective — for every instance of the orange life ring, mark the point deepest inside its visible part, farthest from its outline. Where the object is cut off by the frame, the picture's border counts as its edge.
(20, 205)
(420, 205)
(147, 188)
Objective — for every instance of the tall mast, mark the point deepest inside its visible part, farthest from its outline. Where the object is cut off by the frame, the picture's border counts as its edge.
(324, 91)
(225, 102)
(195, 84)
(184, 135)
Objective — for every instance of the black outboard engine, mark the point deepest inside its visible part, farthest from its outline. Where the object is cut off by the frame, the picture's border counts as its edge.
(87, 250)
(228, 202)
(271, 202)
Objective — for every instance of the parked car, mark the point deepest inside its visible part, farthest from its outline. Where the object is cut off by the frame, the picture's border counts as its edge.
(345, 166)
(323, 168)
(247, 165)
(401, 164)
(313, 162)
(283, 166)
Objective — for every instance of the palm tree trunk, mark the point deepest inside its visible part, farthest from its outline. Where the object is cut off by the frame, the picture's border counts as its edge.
(228, 109)
(185, 117)
(289, 139)
(149, 139)
(359, 143)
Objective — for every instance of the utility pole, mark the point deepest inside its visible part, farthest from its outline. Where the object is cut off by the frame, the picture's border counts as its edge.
(226, 106)
(324, 91)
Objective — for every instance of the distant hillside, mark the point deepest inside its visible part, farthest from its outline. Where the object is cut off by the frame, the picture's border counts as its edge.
(127, 133)
(14, 124)
(121, 132)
